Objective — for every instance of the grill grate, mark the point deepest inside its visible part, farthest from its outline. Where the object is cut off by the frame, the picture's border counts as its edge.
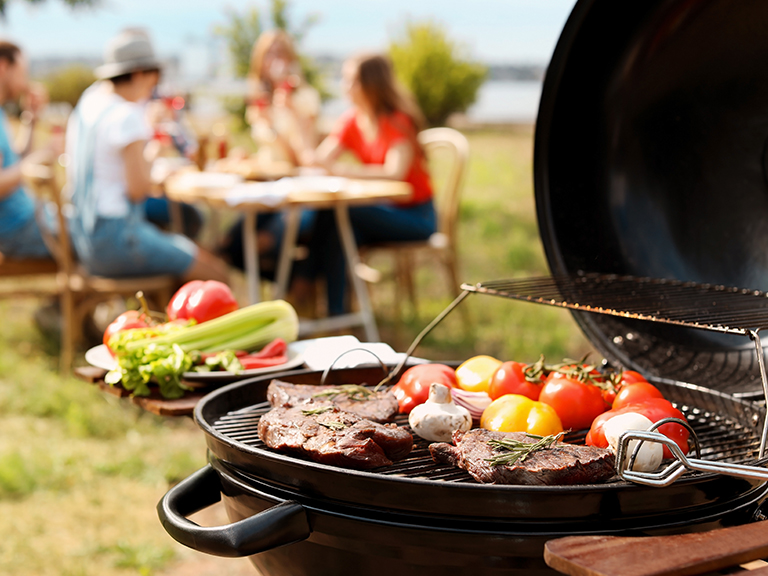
(722, 439)
(706, 306)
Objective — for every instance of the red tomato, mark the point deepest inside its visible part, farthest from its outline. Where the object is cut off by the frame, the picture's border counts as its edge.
(652, 408)
(630, 377)
(576, 403)
(635, 393)
(413, 387)
(126, 321)
(510, 379)
(201, 301)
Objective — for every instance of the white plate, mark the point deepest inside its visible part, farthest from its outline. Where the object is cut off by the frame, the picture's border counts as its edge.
(100, 357)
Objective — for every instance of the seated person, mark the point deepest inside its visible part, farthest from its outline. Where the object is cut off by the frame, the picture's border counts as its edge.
(282, 111)
(172, 139)
(19, 232)
(109, 178)
(381, 131)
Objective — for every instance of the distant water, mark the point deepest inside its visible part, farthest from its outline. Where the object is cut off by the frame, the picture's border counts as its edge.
(498, 101)
(502, 101)
(506, 101)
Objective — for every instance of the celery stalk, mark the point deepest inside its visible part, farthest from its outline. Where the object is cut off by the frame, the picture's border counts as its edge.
(162, 354)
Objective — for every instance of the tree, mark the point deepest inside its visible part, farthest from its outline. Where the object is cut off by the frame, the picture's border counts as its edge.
(67, 84)
(240, 34)
(435, 70)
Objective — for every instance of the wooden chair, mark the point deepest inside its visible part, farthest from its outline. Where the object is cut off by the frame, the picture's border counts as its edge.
(441, 247)
(79, 292)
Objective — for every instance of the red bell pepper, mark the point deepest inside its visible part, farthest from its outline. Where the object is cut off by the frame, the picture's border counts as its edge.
(654, 409)
(201, 301)
(413, 387)
(273, 354)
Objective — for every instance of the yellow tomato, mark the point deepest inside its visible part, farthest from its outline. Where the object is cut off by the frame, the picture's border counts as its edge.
(516, 413)
(475, 374)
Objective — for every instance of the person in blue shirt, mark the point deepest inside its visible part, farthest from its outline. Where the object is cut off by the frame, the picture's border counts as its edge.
(19, 232)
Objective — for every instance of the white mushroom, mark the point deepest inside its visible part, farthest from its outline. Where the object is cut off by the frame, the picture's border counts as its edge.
(650, 455)
(439, 417)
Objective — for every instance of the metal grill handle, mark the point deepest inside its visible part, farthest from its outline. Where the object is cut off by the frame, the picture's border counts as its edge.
(674, 470)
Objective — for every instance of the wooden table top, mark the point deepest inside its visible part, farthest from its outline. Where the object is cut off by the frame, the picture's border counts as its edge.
(312, 191)
(251, 169)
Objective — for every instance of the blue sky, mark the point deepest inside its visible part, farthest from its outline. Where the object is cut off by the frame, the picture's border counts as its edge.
(496, 31)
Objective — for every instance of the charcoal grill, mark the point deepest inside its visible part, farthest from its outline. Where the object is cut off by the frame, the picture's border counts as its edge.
(650, 162)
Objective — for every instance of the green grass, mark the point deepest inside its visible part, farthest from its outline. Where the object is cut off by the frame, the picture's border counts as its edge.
(81, 471)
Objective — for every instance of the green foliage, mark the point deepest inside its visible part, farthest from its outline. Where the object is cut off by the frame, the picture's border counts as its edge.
(435, 70)
(240, 34)
(67, 84)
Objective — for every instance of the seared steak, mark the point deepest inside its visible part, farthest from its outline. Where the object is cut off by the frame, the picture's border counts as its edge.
(559, 464)
(380, 406)
(331, 436)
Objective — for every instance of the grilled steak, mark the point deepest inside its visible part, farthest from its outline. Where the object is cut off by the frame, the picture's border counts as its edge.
(331, 436)
(378, 406)
(557, 465)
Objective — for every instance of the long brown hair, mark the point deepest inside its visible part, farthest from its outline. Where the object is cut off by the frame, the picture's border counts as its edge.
(383, 92)
(266, 40)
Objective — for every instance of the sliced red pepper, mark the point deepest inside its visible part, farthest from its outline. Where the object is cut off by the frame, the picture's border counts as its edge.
(252, 361)
(277, 347)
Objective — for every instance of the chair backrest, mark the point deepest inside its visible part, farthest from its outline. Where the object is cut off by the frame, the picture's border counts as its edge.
(40, 175)
(447, 199)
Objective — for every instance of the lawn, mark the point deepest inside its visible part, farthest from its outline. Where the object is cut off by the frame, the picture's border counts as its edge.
(81, 472)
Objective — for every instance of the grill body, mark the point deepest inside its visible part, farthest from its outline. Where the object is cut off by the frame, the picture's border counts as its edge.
(422, 518)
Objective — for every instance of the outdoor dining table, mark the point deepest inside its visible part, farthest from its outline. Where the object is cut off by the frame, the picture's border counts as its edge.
(292, 195)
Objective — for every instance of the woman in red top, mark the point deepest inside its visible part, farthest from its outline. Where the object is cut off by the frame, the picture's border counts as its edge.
(381, 132)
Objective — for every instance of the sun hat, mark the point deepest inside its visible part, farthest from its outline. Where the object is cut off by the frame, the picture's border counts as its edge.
(129, 51)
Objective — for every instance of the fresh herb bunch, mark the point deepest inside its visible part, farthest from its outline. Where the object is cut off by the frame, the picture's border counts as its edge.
(315, 411)
(333, 424)
(354, 391)
(517, 451)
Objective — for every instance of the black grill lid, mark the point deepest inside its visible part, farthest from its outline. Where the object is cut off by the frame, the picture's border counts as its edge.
(650, 161)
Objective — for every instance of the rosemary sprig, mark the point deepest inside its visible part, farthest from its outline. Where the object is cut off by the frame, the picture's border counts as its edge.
(518, 451)
(354, 391)
(315, 411)
(333, 424)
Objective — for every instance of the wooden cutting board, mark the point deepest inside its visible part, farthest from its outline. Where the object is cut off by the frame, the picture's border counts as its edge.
(678, 555)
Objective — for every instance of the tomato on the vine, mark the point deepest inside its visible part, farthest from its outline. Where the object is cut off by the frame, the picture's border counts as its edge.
(576, 403)
(654, 409)
(630, 377)
(510, 378)
(635, 393)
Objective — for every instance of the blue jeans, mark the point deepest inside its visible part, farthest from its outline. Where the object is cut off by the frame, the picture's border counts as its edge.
(158, 212)
(26, 242)
(131, 246)
(371, 225)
